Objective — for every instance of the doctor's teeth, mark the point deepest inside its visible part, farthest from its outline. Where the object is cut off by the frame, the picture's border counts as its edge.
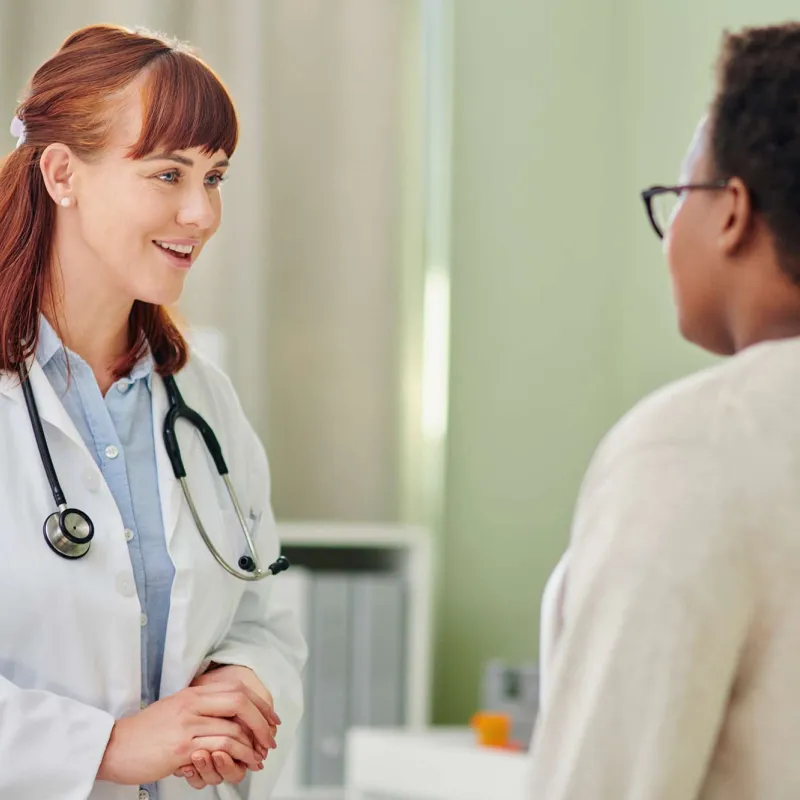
(184, 249)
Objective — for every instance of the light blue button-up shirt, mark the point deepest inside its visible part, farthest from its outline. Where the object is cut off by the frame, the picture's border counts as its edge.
(118, 432)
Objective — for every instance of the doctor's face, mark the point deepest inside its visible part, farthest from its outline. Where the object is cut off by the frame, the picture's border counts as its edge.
(143, 223)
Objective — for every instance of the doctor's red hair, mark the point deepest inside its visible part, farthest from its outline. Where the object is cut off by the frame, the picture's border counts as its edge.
(71, 100)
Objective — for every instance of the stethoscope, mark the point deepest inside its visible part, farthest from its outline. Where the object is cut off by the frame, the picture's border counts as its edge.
(69, 532)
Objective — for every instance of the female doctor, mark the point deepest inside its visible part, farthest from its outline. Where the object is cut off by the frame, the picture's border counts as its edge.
(139, 668)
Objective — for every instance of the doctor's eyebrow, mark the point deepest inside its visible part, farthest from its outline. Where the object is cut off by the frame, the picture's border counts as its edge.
(187, 162)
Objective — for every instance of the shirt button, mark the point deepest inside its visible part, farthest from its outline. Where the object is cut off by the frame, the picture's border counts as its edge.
(144, 794)
(91, 480)
(123, 386)
(143, 620)
(143, 705)
(128, 534)
(111, 451)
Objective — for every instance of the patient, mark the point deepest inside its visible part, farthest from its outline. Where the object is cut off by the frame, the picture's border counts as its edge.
(672, 669)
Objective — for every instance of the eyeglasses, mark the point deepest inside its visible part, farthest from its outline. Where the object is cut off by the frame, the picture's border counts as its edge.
(662, 202)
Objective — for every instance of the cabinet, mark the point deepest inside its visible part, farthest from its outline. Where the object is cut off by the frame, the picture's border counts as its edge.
(324, 558)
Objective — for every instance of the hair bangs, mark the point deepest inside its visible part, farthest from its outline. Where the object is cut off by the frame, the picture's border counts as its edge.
(185, 105)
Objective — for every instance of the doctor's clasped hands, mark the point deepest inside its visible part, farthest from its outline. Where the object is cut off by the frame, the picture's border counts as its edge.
(218, 714)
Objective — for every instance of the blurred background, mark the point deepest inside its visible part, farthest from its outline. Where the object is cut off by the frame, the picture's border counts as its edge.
(435, 287)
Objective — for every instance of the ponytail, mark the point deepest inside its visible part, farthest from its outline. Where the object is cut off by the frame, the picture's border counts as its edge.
(28, 216)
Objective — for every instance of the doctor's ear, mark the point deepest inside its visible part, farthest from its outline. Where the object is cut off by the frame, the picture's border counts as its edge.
(58, 169)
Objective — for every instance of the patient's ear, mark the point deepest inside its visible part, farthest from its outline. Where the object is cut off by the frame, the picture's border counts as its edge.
(736, 211)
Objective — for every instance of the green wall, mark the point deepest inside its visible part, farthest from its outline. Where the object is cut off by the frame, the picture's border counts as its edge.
(533, 330)
(561, 311)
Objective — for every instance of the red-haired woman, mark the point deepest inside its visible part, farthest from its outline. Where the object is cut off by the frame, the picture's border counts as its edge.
(132, 664)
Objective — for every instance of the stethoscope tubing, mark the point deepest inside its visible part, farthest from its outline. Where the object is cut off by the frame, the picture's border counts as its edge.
(67, 544)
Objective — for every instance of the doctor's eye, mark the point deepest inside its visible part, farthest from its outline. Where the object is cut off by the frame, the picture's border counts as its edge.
(171, 176)
(216, 180)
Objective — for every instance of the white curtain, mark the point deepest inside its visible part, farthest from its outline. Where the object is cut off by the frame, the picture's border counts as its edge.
(316, 276)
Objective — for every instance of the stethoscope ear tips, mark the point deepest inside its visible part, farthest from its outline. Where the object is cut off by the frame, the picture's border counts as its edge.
(246, 564)
(281, 565)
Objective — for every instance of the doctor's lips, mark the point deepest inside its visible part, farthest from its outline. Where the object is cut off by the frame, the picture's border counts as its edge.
(179, 251)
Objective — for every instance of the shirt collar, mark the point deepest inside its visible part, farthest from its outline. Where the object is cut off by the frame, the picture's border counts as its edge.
(143, 369)
(50, 344)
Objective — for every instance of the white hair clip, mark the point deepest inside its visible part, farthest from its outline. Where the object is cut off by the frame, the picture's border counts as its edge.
(18, 130)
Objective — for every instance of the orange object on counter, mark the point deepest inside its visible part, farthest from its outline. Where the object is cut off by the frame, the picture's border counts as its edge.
(494, 730)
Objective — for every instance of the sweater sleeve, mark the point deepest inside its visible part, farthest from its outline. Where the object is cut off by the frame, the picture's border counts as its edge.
(659, 598)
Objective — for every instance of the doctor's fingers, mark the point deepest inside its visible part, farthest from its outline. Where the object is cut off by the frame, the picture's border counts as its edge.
(206, 775)
(220, 726)
(208, 770)
(235, 749)
(238, 705)
(192, 772)
(258, 746)
(261, 700)
(228, 769)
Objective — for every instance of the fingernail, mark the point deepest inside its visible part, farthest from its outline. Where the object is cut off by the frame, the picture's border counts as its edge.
(277, 718)
(218, 762)
(200, 761)
(189, 773)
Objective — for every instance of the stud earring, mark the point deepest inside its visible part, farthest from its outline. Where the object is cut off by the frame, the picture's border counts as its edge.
(66, 202)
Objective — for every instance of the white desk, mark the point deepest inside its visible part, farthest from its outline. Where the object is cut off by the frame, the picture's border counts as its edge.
(433, 764)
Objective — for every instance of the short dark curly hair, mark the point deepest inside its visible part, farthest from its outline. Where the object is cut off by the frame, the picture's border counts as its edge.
(755, 128)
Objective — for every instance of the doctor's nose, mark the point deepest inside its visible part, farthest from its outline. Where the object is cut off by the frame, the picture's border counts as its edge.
(197, 210)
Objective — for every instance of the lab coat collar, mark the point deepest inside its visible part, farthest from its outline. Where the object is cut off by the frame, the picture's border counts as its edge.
(51, 409)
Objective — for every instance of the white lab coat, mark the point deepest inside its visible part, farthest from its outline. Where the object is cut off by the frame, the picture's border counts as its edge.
(70, 630)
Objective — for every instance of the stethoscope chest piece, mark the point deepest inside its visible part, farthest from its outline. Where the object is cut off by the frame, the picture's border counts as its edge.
(68, 532)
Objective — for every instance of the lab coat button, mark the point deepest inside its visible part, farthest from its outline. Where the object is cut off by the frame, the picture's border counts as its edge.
(128, 534)
(144, 795)
(126, 586)
(91, 480)
(143, 620)
(111, 451)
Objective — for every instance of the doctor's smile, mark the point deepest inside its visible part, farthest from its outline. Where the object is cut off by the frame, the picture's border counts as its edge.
(180, 252)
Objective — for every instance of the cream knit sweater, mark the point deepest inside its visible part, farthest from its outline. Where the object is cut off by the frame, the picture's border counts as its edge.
(675, 670)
